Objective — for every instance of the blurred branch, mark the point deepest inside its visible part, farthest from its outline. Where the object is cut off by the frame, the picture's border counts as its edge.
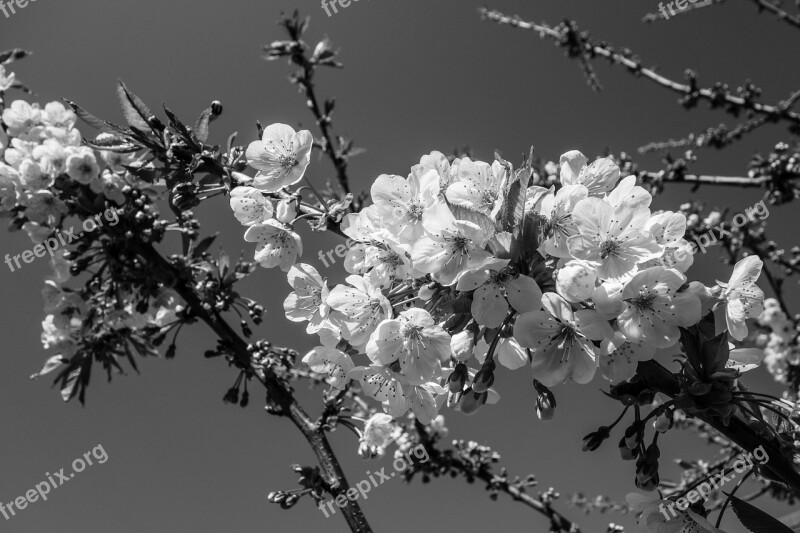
(475, 462)
(580, 46)
(718, 137)
(764, 5)
(662, 15)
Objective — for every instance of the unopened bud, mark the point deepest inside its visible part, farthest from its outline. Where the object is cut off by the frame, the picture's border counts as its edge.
(593, 440)
(286, 211)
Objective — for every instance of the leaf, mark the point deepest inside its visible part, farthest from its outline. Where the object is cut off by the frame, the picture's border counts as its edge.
(93, 121)
(9, 56)
(755, 519)
(715, 353)
(69, 385)
(135, 111)
(203, 245)
(476, 217)
(49, 365)
(201, 126)
(706, 327)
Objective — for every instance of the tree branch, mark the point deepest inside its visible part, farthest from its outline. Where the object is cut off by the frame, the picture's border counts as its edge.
(277, 392)
(582, 47)
(792, 20)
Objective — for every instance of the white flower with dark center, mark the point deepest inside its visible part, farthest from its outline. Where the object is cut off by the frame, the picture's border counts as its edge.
(307, 303)
(250, 206)
(557, 208)
(277, 244)
(406, 207)
(363, 305)
(20, 117)
(82, 166)
(413, 339)
(454, 249)
(620, 357)
(281, 157)
(653, 310)
(331, 362)
(478, 186)
(612, 238)
(743, 298)
(562, 340)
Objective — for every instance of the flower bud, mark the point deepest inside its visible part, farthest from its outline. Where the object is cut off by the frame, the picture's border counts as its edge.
(216, 108)
(593, 440)
(484, 378)
(471, 401)
(576, 281)
(545, 402)
(461, 345)
(458, 378)
(287, 210)
(632, 436)
(663, 422)
(626, 453)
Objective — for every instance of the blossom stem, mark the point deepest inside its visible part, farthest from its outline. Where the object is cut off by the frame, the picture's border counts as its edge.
(317, 194)
(728, 499)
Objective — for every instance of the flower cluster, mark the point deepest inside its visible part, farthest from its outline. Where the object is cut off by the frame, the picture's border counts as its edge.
(49, 173)
(439, 277)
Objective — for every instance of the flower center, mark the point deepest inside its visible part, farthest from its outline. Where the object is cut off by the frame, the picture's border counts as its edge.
(288, 161)
(608, 248)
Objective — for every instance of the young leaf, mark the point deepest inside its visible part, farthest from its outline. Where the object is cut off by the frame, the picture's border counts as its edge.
(93, 121)
(201, 126)
(755, 519)
(135, 111)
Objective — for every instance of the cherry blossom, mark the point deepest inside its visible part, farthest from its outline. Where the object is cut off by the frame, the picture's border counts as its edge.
(363, 306)
(281, 157)
(613, 239)
(562, 340)
(413, 339)
(277, 246)
(250, 206)
(653, 309)
(743, 298)
(308, 301)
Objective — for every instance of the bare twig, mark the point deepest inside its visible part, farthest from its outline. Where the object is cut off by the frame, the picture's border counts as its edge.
(663, 15)
(582, 47)
(764, 5)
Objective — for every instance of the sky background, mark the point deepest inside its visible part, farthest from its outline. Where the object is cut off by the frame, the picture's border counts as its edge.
(420, 75)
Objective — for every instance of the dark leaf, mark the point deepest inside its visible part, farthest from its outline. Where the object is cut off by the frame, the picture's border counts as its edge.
(135, 111)
(203, 245)
(755, 519)
(9, 56)
(715, 353)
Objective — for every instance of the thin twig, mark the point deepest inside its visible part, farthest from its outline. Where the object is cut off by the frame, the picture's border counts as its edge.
(591, 49)
(792, 20)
